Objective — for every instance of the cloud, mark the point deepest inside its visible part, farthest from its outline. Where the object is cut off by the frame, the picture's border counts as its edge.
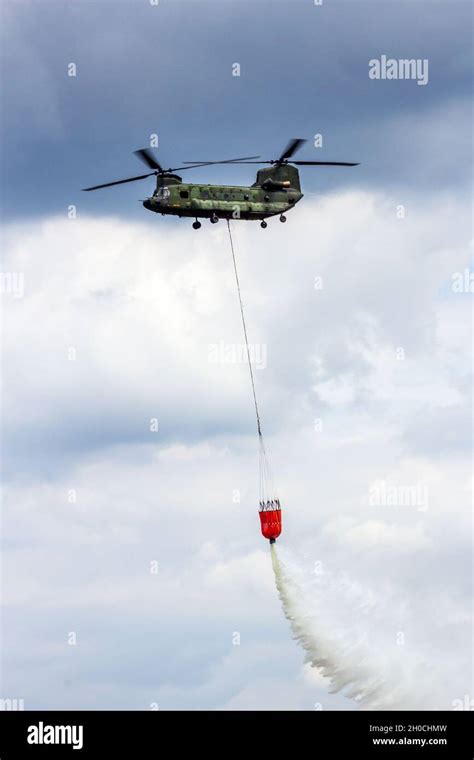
(94, 495)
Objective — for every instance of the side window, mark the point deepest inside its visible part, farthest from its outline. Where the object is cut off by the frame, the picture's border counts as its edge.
(205, 194)
(184, 194)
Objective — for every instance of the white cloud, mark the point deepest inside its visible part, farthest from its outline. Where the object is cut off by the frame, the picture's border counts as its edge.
(141, 304)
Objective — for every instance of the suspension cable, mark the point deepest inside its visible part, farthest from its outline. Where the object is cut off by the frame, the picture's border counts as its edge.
(259, 428)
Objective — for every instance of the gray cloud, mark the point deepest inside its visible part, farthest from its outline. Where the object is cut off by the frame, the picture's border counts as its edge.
(143, 69)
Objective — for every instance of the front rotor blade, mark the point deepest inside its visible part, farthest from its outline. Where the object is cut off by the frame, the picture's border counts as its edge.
(291, 148)
(118, 182)
(227, 161)
(322, 163)
(145, 155)
(191, 166)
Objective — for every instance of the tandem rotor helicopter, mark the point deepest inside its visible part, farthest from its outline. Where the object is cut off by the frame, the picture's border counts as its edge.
(275, 191)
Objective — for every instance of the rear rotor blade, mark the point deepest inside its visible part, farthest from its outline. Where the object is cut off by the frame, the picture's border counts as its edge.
(302, 163)
(322, 163)
(145, 155)
(118, 182)
(291, 148)
(235, 161)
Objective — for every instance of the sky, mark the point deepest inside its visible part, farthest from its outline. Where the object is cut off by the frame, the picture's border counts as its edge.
(134, 574)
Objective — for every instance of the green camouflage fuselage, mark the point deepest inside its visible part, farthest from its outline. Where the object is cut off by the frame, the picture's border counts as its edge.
(275, 191)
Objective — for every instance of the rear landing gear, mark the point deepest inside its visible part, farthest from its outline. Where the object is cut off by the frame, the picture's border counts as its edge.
(282, 218)
(263, 225)
(196, 225)
(214, 219)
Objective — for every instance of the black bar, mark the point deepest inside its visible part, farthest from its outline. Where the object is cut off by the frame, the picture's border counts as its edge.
(352, 733)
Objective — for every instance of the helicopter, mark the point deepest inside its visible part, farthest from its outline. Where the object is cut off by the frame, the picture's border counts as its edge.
(275, 191)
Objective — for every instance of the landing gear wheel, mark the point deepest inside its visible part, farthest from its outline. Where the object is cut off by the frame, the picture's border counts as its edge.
(196, 225)
(263, 225)
(282, 218)
(214, 219)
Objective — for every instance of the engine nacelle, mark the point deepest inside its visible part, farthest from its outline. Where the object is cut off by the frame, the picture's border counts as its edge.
(274, 184)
